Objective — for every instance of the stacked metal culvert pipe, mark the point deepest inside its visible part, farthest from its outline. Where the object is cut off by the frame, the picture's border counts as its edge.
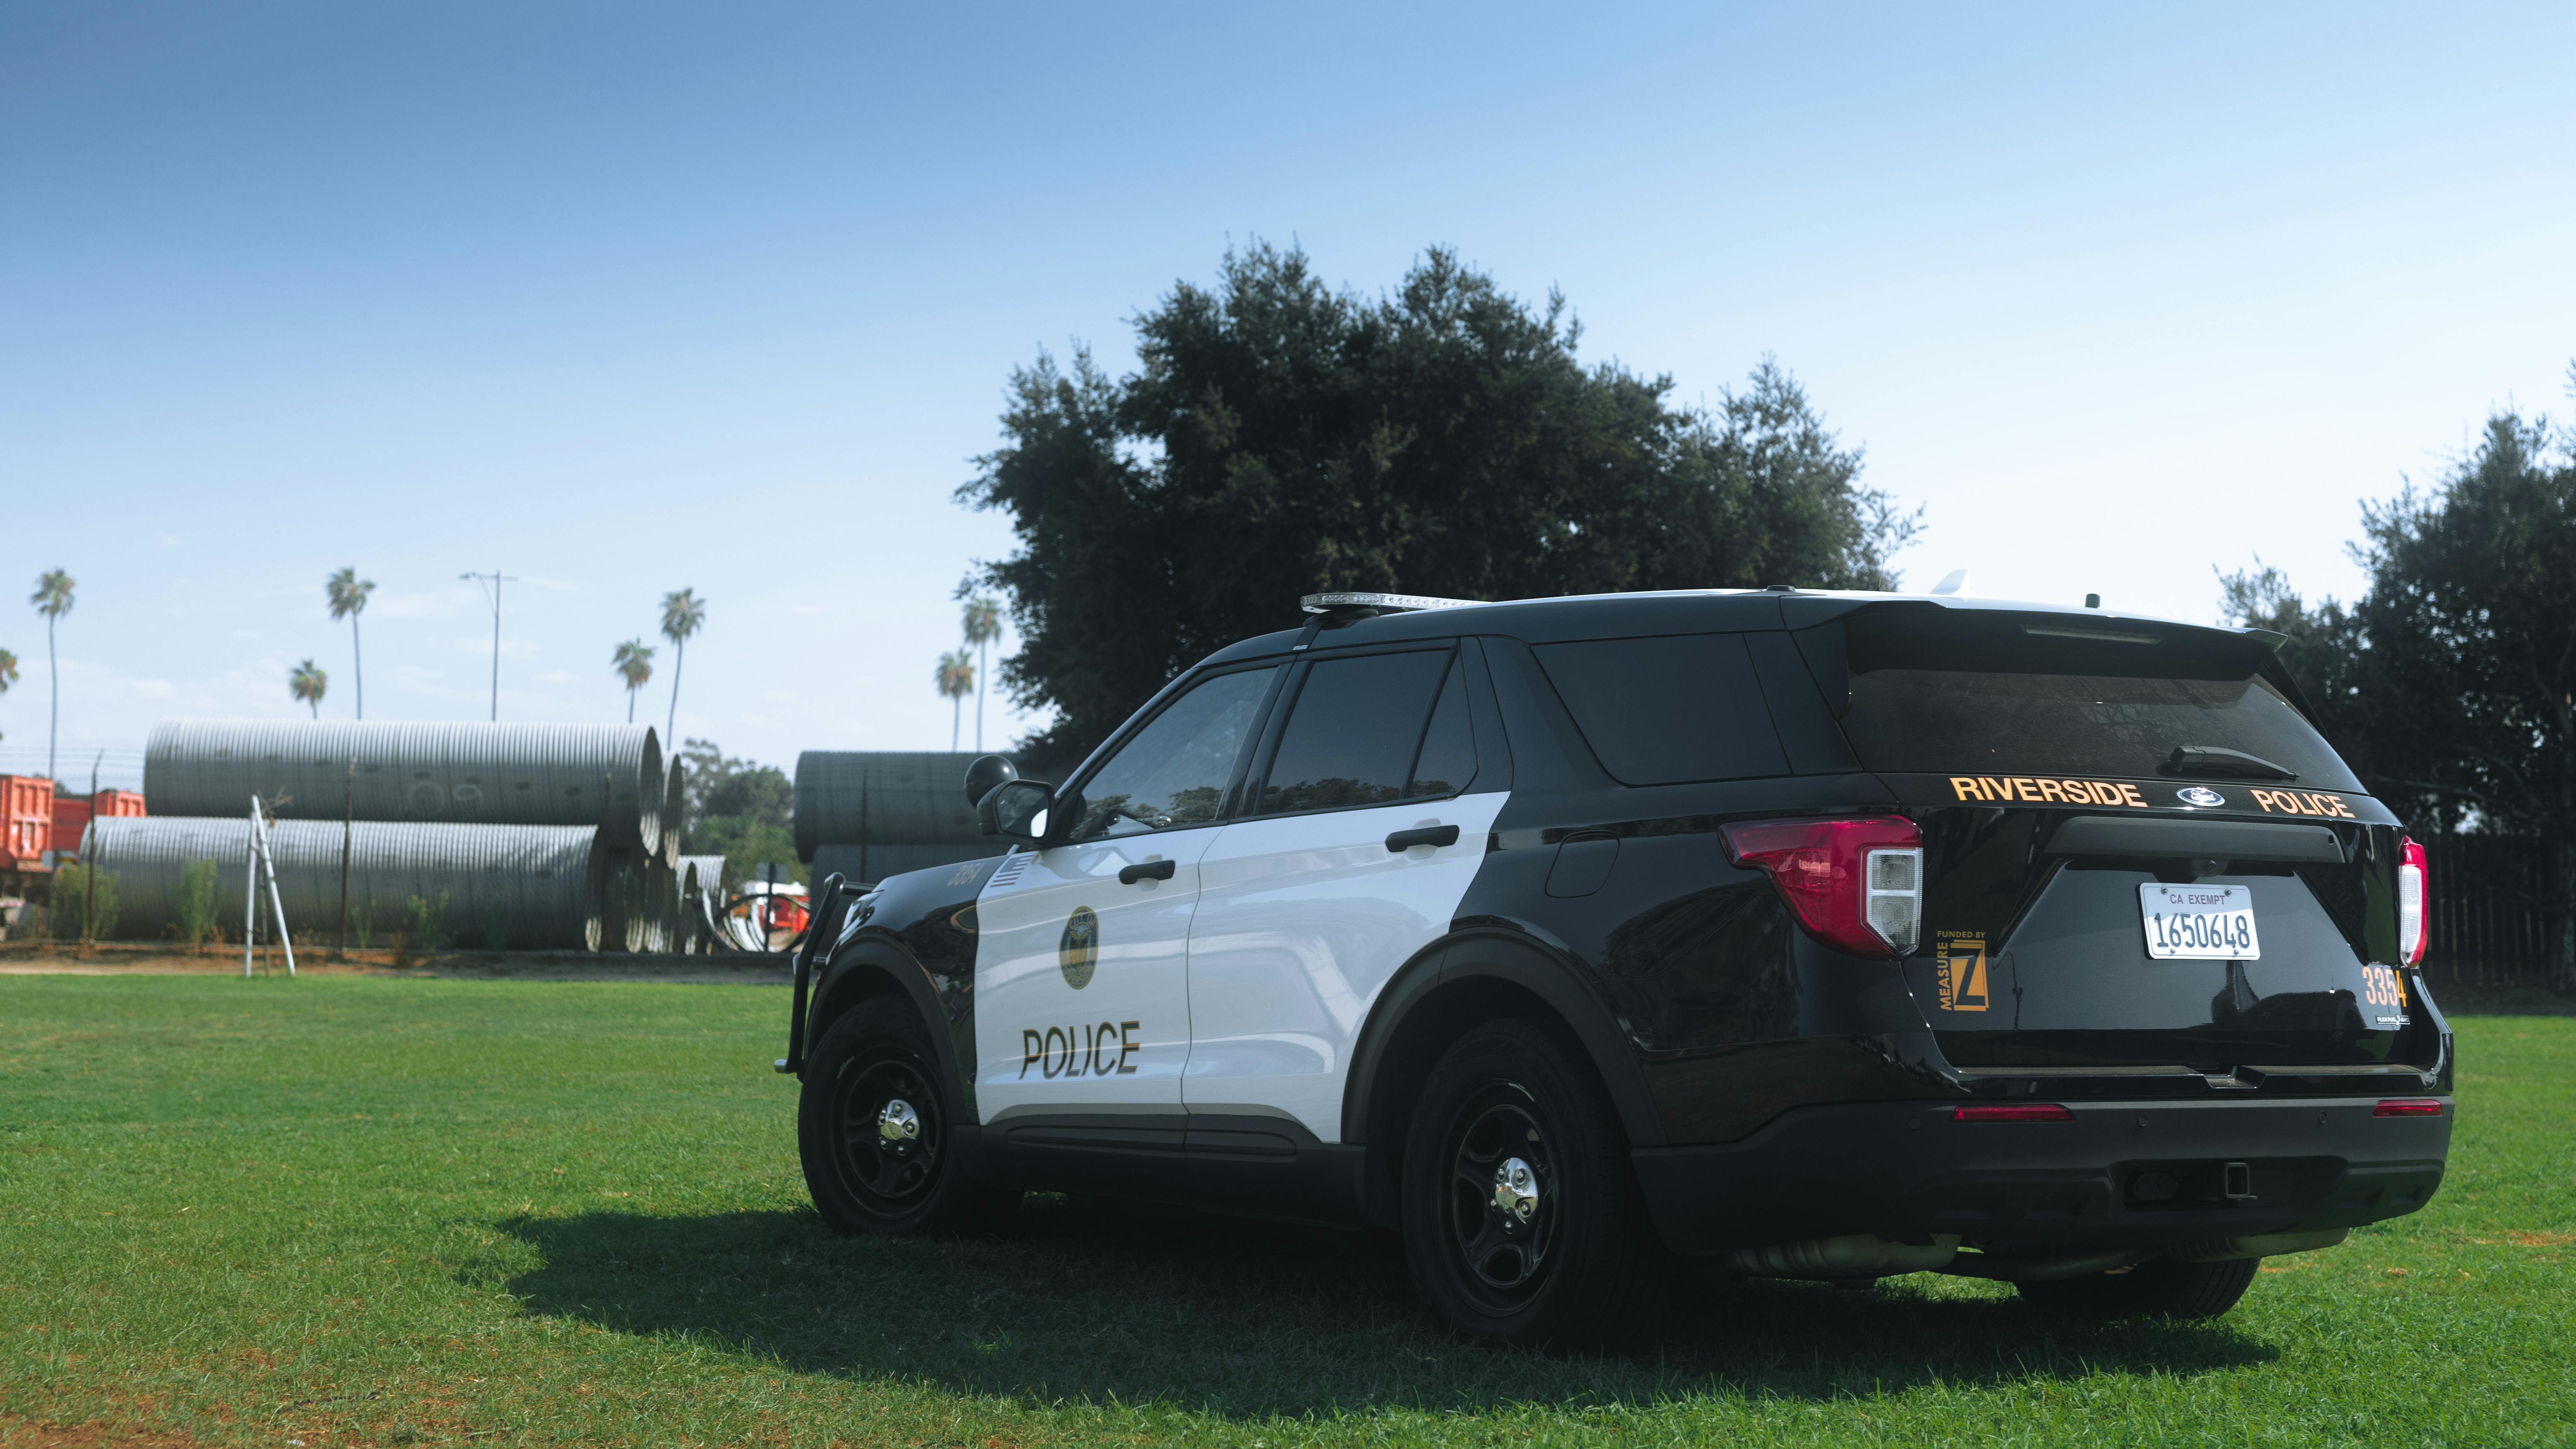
(609, 776)
(495, 887)
(869, 814)
(536, 836)
(702, 897)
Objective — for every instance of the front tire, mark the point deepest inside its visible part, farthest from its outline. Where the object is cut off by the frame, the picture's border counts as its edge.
(2159, 1287)
(876, 1127)
(1522, 1221)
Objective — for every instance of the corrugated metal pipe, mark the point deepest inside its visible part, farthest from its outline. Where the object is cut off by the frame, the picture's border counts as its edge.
(608, 776)
(675, 808)
(883, 797)
(490, 887)
(702, 895)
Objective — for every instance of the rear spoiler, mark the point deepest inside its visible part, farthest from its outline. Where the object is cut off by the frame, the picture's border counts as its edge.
(1965, 628)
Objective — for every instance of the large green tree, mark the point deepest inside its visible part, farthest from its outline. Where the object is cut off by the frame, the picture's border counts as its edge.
(2451, 683)
(1281, 437)
(741, 810)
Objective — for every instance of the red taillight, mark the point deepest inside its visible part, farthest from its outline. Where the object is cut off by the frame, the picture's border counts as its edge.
(1857, 885)
(2414, 893)
(2017, 1112)
(2408, 1107)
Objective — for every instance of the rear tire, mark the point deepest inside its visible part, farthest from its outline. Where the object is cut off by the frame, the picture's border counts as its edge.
(875, 1126)
(1522, 1220)
(2161, 1287)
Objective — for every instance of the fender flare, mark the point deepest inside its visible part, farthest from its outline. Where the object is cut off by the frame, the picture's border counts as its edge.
(880, 955)
(1519, 956)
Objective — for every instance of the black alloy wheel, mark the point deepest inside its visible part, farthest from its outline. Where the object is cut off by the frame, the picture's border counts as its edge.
(886, 1131)
(1522, 1221)
(1503, 1193)
(874, 1127)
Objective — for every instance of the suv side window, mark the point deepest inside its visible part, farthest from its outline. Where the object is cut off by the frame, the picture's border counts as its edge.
(1365, 732)
(1174, 771)
(1662, 711)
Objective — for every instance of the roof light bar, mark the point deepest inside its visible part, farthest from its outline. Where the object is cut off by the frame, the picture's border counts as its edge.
(1382, 603)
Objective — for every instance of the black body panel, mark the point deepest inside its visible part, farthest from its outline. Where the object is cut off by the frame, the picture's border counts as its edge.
(1905, 1171)
(913, 933)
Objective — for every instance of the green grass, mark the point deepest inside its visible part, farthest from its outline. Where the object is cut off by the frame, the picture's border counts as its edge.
(411, 1212)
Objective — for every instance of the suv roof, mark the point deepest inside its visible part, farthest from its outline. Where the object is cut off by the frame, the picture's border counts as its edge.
(1675, 611)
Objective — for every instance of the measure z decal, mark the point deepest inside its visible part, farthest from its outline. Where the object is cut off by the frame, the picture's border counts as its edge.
(1962, 964)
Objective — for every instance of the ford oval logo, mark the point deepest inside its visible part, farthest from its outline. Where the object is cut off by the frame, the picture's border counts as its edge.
(2200, 795)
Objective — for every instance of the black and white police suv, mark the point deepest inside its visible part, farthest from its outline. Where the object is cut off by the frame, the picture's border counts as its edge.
(1821, 935)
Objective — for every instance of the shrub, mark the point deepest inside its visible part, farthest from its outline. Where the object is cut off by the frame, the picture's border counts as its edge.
(72, 910)
(423, 930)
(197, 899)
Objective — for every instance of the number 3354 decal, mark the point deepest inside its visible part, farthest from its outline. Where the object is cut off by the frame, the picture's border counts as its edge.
(2381, 986)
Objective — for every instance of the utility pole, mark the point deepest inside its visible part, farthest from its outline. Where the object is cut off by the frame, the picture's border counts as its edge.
(89, 860)
(348, 828)
(493, 582)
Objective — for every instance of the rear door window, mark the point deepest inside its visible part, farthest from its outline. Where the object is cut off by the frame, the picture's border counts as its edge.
(1363, 732)
(1667, 710)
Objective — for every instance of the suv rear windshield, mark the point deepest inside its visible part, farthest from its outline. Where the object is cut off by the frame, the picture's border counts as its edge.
(1935, 692)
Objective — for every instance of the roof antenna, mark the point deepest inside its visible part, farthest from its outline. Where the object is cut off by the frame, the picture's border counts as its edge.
(1955, 584)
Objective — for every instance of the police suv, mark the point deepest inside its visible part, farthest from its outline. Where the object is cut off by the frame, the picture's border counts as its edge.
(1820, 935)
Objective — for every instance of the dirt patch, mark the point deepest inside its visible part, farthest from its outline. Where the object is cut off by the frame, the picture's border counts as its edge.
(19, 1433)
(42, 958)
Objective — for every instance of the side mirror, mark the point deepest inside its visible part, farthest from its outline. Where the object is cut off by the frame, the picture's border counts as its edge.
(987, 772)
(1018, 809)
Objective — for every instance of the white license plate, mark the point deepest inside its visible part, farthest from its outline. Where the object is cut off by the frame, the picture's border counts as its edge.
(2199, 923)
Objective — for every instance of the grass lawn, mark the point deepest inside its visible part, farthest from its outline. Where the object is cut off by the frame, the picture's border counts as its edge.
(408, 1212)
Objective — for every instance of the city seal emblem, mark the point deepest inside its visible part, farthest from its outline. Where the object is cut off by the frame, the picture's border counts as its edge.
(1077, 951)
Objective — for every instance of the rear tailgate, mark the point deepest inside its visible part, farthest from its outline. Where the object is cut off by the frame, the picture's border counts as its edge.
(2092, 901)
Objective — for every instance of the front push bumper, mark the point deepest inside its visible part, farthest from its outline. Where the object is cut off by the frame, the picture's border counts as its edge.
(2121, 1174)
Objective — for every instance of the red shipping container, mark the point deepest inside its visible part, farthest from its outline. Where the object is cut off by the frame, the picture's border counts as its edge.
(71, 817)
(72, 814)
(26, 822)
(117, 804)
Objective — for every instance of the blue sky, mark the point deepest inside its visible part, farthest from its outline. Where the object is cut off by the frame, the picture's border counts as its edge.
(621, 298)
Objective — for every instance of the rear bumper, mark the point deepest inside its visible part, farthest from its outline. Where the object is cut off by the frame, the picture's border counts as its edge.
(1905, 1170)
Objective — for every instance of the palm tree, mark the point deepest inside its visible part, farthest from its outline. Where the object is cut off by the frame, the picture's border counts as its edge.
(956, 677)
(307, 684)
(348, 595)
(8, 670)
(53, 599)
(682, 613)
(983, 623)
(633, 662)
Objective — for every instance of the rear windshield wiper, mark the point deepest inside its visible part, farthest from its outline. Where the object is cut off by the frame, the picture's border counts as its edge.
(2210, 760)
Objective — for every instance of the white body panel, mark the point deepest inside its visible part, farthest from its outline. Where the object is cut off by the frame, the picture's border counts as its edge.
(1043, 1044)
(1301, 920)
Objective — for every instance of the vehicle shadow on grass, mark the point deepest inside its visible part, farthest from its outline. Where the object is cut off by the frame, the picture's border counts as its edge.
(1097, 1301)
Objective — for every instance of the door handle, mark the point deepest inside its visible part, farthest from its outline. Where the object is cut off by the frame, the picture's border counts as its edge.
(1150, 870)
(1404, 840)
